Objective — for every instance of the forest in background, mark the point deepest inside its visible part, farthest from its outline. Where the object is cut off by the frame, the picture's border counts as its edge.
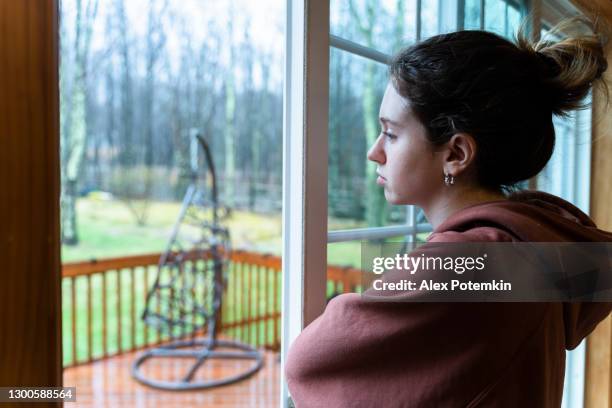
(137, 76)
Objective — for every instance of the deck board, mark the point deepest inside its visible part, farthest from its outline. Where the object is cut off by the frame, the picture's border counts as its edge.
(108, 383)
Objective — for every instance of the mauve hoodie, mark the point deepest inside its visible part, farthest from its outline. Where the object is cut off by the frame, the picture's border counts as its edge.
(360, 353)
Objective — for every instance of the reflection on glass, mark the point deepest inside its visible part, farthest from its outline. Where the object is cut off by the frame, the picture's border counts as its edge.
(385, 26)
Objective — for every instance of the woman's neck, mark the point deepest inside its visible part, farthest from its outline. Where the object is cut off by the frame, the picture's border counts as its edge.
(453, 199)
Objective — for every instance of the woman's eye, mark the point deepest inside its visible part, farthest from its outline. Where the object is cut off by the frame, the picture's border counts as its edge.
(389, 135)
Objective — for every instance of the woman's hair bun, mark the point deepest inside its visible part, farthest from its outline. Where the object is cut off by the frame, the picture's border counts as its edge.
(568, 66)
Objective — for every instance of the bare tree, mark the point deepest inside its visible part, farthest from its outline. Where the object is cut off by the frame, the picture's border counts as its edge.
(126, 106)
(131, 179)
(366, 19)
(155, 40)
(258, 132)
(74, 115)
(207, 95)
(229, 130)
(110, 128)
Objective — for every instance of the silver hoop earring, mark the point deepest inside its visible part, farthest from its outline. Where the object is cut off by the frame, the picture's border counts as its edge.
(449, 180)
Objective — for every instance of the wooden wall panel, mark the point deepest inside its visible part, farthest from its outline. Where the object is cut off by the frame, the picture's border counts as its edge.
(598, 372)
(598, 392)
(30, 313)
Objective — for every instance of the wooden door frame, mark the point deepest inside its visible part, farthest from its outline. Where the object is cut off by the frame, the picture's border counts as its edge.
(30, 303)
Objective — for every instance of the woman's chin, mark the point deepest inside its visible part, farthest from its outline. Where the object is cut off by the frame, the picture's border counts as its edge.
(394, 199)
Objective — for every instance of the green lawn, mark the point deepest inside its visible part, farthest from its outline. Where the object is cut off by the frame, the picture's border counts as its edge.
(107, 229)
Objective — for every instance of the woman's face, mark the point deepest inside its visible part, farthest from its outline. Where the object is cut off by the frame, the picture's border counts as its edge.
(409, 168)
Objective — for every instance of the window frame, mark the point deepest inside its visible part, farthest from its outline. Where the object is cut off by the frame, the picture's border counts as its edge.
(305, 131)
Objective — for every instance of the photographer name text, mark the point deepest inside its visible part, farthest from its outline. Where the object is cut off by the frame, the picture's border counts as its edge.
(430, 285)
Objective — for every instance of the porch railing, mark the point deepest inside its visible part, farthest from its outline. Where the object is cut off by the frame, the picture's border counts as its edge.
(104, 299)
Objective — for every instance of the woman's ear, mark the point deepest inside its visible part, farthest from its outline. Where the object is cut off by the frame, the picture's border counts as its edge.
(460, 154)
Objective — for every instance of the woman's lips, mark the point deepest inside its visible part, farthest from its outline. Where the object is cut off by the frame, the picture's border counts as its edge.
(380, 180)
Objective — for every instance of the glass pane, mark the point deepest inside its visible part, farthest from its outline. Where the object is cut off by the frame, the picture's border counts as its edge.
(499, 16)
(137, 77)
(472, 15)
(384, 26)
(138, 80)
(570, 164)
(514, 21)
(354, 199)
(344, 262)
(495, 13)
(430, 19)
(559, 169)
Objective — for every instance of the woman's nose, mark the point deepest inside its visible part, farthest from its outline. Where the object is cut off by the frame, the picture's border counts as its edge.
(376, 153)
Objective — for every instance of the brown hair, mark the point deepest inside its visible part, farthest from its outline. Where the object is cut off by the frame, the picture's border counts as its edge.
(503, 94)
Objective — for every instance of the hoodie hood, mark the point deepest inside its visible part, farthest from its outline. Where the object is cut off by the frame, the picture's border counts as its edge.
(533, 216)
(527, 216)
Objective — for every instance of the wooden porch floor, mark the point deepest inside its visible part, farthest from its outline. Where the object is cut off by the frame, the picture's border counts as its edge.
(108, 383)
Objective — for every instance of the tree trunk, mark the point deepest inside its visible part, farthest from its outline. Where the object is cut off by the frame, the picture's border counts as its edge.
(68, 211)
(230, 135)
(75, 132)
(376, 208)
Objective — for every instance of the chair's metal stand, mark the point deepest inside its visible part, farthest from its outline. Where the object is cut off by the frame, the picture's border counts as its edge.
(183, 305)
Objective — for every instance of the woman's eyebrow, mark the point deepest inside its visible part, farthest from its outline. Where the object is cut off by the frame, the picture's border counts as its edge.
(388, 121)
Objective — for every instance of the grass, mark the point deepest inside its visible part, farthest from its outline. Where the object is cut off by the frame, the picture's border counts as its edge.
(107, 229)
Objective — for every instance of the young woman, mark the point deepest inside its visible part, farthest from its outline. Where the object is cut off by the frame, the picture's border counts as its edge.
(465, 117)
